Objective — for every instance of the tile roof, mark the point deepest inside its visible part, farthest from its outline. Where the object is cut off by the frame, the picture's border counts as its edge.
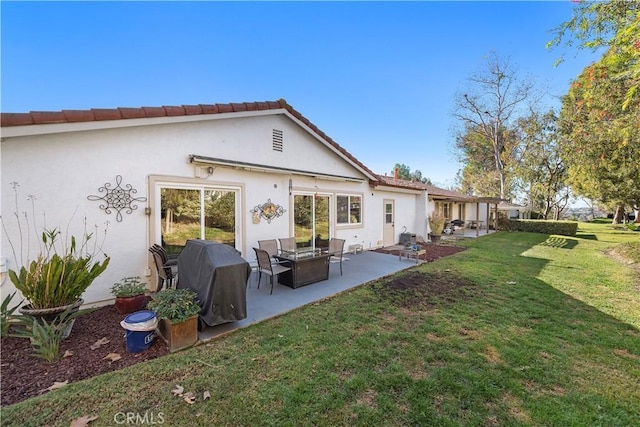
(432, 190)
(401, 183)
(124, 113)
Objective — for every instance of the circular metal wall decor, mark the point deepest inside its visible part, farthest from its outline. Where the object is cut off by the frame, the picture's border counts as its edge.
(118, 198)
(268, 211)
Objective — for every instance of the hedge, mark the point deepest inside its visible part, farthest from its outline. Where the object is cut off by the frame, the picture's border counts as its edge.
(563, 228)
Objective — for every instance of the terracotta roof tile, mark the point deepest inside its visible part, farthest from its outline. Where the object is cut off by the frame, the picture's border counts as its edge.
(175, 111)
(190, 110)
(46, 117)
(224, 108)
(16, 119)
(239, 107)
(154, 111)
(209, 109)
(132, 113)
(106, 114)
(78, 115)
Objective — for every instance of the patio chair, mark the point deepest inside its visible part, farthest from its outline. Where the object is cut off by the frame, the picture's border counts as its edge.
(271, 246)
(336, 249)
(288, 244)
(265, 266)
(166, 273)
(166, 259)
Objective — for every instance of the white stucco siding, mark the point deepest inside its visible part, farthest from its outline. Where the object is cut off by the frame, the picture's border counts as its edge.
(409, 213)
(61, 169)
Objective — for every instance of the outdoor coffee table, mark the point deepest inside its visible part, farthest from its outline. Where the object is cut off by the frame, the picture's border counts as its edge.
(308, 265)
(410, 253)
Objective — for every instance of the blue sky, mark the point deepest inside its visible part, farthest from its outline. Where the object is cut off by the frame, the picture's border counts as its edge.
(380, 78)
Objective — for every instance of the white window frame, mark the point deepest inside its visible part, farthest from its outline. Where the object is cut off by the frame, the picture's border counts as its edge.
(349, 223)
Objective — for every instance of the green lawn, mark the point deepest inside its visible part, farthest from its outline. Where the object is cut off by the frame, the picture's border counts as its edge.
(526, 329)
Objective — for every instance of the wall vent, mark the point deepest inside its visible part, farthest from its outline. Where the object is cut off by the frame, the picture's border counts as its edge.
(278, 142)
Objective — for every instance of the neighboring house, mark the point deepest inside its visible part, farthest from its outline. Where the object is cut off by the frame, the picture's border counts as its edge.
(453, 205)
(514, 211)
(234, 173)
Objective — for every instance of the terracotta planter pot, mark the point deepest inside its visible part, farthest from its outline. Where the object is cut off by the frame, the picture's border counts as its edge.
(435, 238)
(181, 335)
(126, 305)
(52, 314)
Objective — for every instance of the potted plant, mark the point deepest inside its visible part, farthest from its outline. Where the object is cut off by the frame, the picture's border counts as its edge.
(436, 224)
(177, 312)
(58, 276)
(130, 294)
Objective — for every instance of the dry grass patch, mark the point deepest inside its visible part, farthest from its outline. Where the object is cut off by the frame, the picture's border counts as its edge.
(492, 355)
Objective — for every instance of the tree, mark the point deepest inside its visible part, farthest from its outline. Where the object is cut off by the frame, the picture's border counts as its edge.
(404, 172)
(541, 170)
(603, 150)
(601, 112)
(488, 110)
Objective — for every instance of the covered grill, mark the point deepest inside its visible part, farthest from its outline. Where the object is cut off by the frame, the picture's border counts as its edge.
(218, 274)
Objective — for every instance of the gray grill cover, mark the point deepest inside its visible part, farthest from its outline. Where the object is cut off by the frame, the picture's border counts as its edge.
(218, 274)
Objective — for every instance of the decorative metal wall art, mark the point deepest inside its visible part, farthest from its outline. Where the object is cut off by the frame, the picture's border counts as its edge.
(267, 211)
(118, 198)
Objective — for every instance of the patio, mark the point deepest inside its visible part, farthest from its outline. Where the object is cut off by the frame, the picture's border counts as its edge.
(358, 269)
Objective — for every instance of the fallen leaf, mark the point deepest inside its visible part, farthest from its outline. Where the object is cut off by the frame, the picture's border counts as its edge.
(102, 341)
(112, 357)
(206, 395)
(190, 398)
(178, 390)
(67, 353)
(82, 421)
(280, 336)
(57, 385)
(511, 283)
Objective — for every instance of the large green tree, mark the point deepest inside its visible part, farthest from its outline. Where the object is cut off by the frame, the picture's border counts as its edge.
(541, 171)
(603, 139)
(600, 115)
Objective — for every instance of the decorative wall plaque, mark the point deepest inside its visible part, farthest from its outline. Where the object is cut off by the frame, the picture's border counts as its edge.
(118, 198)
(268, 211)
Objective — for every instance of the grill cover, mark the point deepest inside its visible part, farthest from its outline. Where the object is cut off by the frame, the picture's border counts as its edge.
(218, 274)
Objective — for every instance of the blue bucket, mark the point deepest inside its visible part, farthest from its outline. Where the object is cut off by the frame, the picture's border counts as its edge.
(140, 330)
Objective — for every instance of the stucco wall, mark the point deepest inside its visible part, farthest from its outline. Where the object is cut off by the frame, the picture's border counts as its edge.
(59, 170)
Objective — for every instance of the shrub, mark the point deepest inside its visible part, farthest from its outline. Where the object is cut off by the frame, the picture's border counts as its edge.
(436, 223)
(176, 305)
(129, 287)
(563, 228)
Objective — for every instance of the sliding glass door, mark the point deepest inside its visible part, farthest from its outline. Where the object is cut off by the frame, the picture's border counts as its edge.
(311, 220)
(188, 212)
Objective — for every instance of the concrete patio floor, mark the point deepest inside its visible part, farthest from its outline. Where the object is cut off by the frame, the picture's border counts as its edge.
(357, 270)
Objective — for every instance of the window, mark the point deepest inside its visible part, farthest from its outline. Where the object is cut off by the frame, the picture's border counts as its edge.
(444, 209)
(349, 209)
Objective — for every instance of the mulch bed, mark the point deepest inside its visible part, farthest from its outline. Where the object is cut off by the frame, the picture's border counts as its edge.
(433, 252)
(25, 376)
